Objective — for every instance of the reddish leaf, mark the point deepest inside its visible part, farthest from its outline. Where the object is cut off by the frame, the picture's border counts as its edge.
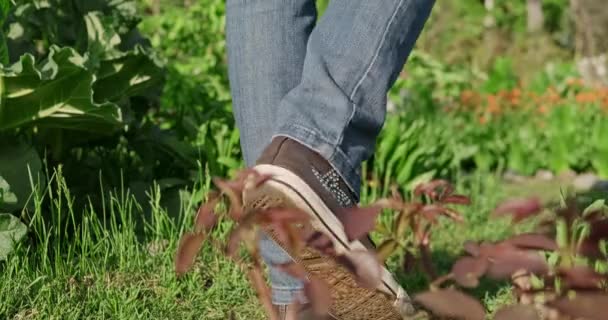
(451, 303)
(364, 265)
(590, 246)
(389, 203)
(206, 217)
(584, 305)
(467, 271)
(581, 277)
(280, 232)
(457, 199)
(432, 210)
(505, 260)
(488, 249)
(431, 213)
(533, 241)
(234, 191)
(263, 292)
(188, 248)
(359, 221)
(422, 233)
(293, 269)
(599, 230)
(472, 248)
(234, 239)
(319, 295)
(518, 312)
(430, 189)
(288, 236)
(519, 209)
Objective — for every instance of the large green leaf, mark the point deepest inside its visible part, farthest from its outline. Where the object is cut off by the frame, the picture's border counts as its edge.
(55, 93)
(128, 74)
(85, 25)
(12, 230)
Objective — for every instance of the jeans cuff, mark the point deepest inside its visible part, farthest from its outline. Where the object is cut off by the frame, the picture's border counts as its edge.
(337, 158)
(287, 295)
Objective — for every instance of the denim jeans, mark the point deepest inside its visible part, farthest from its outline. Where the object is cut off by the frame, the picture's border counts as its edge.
(323, 83)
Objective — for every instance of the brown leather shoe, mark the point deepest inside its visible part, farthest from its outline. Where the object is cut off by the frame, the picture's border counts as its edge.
(302, 178)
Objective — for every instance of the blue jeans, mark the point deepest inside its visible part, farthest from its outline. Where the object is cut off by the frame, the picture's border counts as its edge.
(323, 83)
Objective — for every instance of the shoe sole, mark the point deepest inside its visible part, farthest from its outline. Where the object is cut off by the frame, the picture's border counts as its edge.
(350, 301)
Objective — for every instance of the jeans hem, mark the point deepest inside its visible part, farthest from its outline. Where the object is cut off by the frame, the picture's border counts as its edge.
(286, 295)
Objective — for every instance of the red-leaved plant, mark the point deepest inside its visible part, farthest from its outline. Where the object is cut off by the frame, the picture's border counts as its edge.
(554, 271)
(286, 223)
(546, 267)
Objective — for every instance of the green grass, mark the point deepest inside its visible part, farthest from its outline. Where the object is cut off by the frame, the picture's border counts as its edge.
(121, 266)
(106, 269)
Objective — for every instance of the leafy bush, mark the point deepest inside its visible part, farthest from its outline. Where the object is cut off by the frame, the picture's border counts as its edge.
(559, 271)
(196, 95)
(491, 121)
(83, 90)
(11, 229)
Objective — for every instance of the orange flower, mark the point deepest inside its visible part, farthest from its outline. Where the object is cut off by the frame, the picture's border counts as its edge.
(543, 109)
(575, 82)
(586, 97)
(553, 95)
(502, 94)
(516, 93)
(469, 97)
(493, 106)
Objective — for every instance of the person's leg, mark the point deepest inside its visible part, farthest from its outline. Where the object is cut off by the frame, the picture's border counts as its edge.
(327, 126)
(353, 57)
(266, 44)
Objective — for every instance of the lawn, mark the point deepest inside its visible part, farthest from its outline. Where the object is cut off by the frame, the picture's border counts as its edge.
(123, 268)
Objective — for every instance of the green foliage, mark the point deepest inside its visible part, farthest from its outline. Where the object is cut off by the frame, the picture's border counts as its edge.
(599, 157)
(20, 167)
(405, 158)
(192, 38)
(11, 232)
(6, 196)
(500, 77)
(11, 229)
(196, 92)
(84, 90)
(4, 10)
(490, 122)
(57, 93)
(427, 80)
